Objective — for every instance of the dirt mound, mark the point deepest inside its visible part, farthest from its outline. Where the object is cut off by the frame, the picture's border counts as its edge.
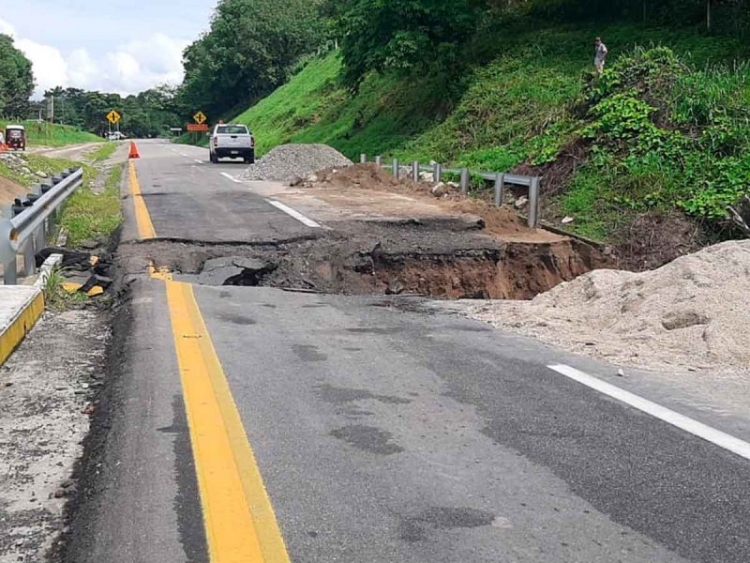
(689, 314)
(502, 222)
(286, 162)
(9, 191)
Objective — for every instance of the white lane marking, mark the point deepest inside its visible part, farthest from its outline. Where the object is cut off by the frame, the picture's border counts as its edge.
(716, 437)
(198, 161)
(230, 177)
(294, 213)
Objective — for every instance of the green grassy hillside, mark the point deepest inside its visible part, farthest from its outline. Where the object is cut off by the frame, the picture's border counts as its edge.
(53, 135)
(663, 133)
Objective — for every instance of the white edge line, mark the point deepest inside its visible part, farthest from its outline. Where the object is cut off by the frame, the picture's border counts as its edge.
(294, 213)
(716, 437)
(230, 177)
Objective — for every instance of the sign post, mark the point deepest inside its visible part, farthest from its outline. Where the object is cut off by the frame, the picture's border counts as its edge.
(200, 125)
(114, 119)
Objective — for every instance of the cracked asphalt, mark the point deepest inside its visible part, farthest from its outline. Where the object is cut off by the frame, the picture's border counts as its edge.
(383, 429)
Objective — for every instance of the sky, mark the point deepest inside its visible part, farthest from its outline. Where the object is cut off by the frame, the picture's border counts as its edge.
(122, 46)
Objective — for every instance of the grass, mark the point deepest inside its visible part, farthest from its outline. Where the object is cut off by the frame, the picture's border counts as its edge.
(50, 166)
(53, 135)
(88, 215)
(56, 297)
(522, 104)
(491, 118)
(103, 152)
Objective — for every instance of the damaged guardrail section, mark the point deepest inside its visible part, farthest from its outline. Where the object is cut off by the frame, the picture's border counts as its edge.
(500, 180)
(25, 225)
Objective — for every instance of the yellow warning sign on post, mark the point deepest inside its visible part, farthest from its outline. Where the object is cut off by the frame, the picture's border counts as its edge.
(200, 118)
(113, 117)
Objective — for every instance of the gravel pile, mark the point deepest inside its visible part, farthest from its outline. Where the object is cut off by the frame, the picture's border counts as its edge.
(287, 162)
(691, 314)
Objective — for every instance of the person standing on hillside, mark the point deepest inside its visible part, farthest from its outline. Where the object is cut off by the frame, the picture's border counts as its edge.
(601, 55)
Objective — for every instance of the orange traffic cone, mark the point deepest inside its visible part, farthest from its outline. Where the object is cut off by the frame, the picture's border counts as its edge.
(134, 150)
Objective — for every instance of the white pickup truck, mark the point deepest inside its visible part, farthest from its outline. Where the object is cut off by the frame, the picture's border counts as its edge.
(232, 141)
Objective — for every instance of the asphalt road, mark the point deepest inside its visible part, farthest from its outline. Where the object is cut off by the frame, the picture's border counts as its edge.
(382, 429)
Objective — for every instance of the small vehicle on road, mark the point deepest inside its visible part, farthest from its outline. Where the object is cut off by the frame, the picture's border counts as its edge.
(15, 137)
(232, 141)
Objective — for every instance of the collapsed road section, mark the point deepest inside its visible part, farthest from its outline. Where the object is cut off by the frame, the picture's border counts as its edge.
(384, 236)
(444, 259)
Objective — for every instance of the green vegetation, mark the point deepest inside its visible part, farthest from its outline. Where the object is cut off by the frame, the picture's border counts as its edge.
(50, 166)
(52, 135)
(664, 129)
(248, 52)
(104, 152)
(56, 297)
(88, 215)
(148, 114)
(16, 79)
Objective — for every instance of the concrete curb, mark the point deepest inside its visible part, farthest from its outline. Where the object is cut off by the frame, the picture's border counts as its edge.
(20, 309)
(46, 269)
(21, 306)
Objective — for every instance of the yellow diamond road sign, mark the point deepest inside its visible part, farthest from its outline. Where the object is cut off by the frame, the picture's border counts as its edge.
(113, 117)
(200, 118)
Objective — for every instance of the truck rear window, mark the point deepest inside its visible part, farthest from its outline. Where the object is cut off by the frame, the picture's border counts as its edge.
(231, 130)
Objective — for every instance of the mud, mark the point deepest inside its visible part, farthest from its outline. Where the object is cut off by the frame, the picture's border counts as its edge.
(438, 259)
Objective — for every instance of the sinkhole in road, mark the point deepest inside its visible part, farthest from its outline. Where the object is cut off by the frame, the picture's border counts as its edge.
(451, 266)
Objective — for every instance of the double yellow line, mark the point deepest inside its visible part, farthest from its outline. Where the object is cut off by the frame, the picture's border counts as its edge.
(240, 523)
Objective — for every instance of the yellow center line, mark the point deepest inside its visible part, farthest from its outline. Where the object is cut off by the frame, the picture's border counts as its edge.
(142, 217)
(241, 526)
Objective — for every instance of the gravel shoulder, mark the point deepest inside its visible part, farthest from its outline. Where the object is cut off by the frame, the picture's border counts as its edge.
(46, 394)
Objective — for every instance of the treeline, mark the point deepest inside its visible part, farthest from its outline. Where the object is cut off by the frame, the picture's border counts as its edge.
(16, 79)
(253, 45)
(148, 114)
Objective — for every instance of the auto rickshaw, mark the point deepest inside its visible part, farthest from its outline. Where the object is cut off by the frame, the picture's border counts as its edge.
(15, 137)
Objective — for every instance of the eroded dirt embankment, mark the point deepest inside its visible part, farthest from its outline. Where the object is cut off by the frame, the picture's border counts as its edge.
(436, 259)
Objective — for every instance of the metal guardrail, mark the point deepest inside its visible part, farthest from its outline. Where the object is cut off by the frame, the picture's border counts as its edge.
(500, 180)
(25, 226)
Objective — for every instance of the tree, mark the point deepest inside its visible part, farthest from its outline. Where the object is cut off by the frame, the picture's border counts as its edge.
(16, 79)
(405, 35)
(248, 52)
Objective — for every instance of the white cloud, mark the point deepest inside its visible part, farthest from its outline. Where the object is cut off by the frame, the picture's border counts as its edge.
(128, 69)
(6, 28)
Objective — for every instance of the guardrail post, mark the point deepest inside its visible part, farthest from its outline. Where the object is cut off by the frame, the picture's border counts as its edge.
(363, 158)
(379, 161)
(534, 203)
(10, 272)
(437, 172)
(415, 171)
(464, 181)
(395, 168)
(29, 260)
(499, 189)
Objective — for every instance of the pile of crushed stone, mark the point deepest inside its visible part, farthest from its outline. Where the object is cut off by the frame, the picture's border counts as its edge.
(287, 162)
(691, 314)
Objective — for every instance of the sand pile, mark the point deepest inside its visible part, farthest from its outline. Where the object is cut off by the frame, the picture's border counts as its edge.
(693, 313)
